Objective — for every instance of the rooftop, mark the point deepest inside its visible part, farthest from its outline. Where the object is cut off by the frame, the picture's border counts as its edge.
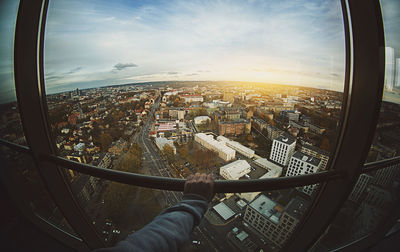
(296, 207)
(266, 207)
(316, 149)
(285, 139)
(307, 158)
(224, 211)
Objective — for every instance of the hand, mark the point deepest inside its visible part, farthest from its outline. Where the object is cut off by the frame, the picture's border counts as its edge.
(200, 184)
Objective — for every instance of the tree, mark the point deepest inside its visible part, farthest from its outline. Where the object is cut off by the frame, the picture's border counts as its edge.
(117, 198)
(168, 151)
(105, 141)
(183, 151)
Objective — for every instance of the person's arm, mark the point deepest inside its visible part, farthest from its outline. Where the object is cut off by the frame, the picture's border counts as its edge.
(173, 226)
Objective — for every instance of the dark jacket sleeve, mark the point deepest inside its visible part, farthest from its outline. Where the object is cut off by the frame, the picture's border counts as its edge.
(168, 230)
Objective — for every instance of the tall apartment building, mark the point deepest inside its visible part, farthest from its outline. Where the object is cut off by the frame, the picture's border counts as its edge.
(282, 149)
(272, 220)
(300, 164)
(389, 68)
(317, 153)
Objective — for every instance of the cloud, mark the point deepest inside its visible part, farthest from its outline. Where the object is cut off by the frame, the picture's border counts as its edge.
(77, 69)
(216, 39)
(121, 66)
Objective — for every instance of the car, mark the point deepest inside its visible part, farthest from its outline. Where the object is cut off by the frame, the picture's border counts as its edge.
(105, 232)
(115, 231)
(196, 242)
(108, 223)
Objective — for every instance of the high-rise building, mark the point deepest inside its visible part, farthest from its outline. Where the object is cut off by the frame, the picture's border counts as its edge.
(397, 74)
(282, 149)
(316, 152)
(272, 220)
(389, 68)
(300, 164)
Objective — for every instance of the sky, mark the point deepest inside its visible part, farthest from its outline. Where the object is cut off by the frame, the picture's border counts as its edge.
(97, 43)
(89, 43)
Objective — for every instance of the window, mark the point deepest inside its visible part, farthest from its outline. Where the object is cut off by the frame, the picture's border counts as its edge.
(175, 76)
(11, 127)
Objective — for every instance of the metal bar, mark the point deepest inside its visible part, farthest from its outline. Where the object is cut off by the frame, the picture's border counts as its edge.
(28, 49)
(365, 57)
(16, 147)
(174, 184)
(373, 166)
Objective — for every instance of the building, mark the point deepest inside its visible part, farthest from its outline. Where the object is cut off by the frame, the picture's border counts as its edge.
(167, 126)
(273, 132)
(397, 75)
(385, 177)
(363, 181)
(237, 127)
(189, 98)
(224, 211)
(245, 151)
(177, 113)
(232, 113)
(300, 164)
(282, 149)
(229, 97)
(291, 115)
(314, 128)
(389, 68)
(299, 126)
(272, 220)
(201, 120)
(260, 124)
(118, 147)
(162, 141)
(105, 161)
(208, 141)
(235, 170)
(317, 153)
(273, 170)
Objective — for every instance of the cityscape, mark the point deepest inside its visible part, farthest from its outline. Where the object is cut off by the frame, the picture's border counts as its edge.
(234, 130)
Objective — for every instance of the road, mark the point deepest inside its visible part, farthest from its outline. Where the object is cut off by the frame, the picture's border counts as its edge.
(152, 157)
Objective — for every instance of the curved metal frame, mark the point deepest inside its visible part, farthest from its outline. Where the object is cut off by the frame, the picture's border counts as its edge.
(364, 68)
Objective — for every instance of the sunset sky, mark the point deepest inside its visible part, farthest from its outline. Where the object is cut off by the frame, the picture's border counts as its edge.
(96, 43)
(111, 42)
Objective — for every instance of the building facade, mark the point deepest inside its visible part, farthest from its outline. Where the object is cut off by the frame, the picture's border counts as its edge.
(282, 149)
(300, 164)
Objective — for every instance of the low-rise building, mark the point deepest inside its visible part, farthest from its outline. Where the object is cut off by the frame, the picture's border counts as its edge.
(192, 98)
(273, 170)
(237, 127)
(245, 151)
(235, 170)
(315, 128)
(201, 119)
(208, 141)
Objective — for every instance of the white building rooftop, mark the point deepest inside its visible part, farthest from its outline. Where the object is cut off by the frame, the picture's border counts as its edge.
(224, 211)
(235, 170)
